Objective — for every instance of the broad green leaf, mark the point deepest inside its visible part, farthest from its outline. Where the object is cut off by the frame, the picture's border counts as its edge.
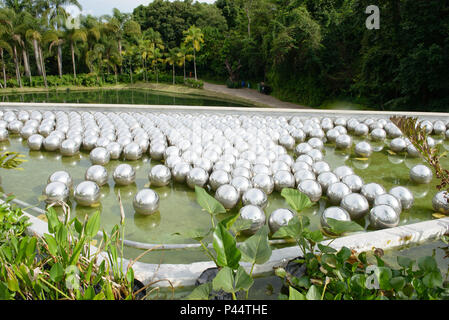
(339, 227)
(89, 293)
(56, 272)
(326, 249)
(256, 249)
(404, 262)
(242, 280)
(226, 248)
(228, 222)
(51, 243)
(31, 248)
(433, 279)
(343, 254)
(4, 292)
(292, 230)
(296, 199)
(78, 226)
(224, 280)
(397, 283)
(427, 263)
(53, 220)
(384, 276)
(207, 202)
(201, 292)
(313, 293)
(294, 294)
(12, 282)
(130, 276)
(93, 225)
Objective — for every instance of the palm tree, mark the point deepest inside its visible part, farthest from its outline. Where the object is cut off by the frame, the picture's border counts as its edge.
(173, 57)
(115, 25)
(184, 51)
(55, 39)
(72, 37)
(156, 58)
(195, 37)
(4, 45)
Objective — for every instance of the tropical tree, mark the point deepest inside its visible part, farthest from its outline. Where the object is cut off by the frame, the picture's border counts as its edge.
(115, 26)
(73, 36)
(186, 56)
(173, 57)
(55, 38)
(156, 58)
(194, 37)
(4, 45)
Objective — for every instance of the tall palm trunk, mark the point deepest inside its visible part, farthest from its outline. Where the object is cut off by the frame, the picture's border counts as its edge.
(16, 62)
(44, 72)
(120, 53)
(72, 49)
(194, 62)
(37, 57)
(3, 68)
(26, 64)
(59, 55)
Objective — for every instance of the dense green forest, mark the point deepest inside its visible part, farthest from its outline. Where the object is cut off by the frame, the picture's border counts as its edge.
(308, 51)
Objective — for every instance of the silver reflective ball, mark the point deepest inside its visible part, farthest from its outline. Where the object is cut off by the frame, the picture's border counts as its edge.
(378, 134)
(97, 174)
(87, 193)
(300, 165)
(336, 213)
(89, 142)
(404, 195)
(255, 197)
(180, 171)
(157, 151)
(124, 174)
(34, 142)
(302, 148)
(421, 174)
(15, 126)
(412, 151)
(363, 149)
(371, 190)
(227, 195)
(56, 192)
(388, 200)
(100, 156)
(197, 177)
(337, 191)
(263, 182)
(51, 143)
(383, 216)
(61, 176)
(132, 151)
(398, 145)
(279, 218)
(440, 202)
(316, 155)
(115, 150)
(146, 202)
(242, 184)
(312, 189)
(353, 181)
(27, 131)
(255, 216)
(69, 148)
(320, 166)
(283, 179)
(356, 205)
(302, 175)
(343, 171)
(325, 179)
(343, 141)
(159, 176)
(218, 178)
(361, 129)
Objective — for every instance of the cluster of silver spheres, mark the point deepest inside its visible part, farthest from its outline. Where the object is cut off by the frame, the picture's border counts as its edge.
(241, 158)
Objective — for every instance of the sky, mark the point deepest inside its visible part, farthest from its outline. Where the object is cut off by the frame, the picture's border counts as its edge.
(101, 7)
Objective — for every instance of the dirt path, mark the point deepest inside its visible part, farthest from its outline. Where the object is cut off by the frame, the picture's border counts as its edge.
(252, 95)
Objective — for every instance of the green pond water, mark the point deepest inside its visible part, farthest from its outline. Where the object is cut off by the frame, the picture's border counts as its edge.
(118, 96)
(178, 209)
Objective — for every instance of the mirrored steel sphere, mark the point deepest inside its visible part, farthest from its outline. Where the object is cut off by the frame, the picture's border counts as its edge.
(343, 141)
(320, 167)
(302, 175)
(242, 184)
(146, 202)
(227, 195)
(404, 195)
(132, 151)
(336, 213)
(356, 205)
(180, 171)
(279, 218)
(336, 192)
(124, 174)
(99, 156)
(34, 142)
(255, 197)
(440, 202)
(157, 151)
(61, 176)
(87, 193)
(383, 216)
(56, 192)
(361, 129)
(69, 148)
(159, 175)
(197, 177)
(421, 174)
(388, 200)
(343, 171)
(398, 145)
(283, 179)
(115, 150)
(27, 131)
(97, 174)
(255, 216)
(412, 151)
(363, 149)
(51, 143)
(371, 190)
(218, 178)
(263, 182)
(378, 134)
(353, 181)
(325, 179)
(312, 189)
